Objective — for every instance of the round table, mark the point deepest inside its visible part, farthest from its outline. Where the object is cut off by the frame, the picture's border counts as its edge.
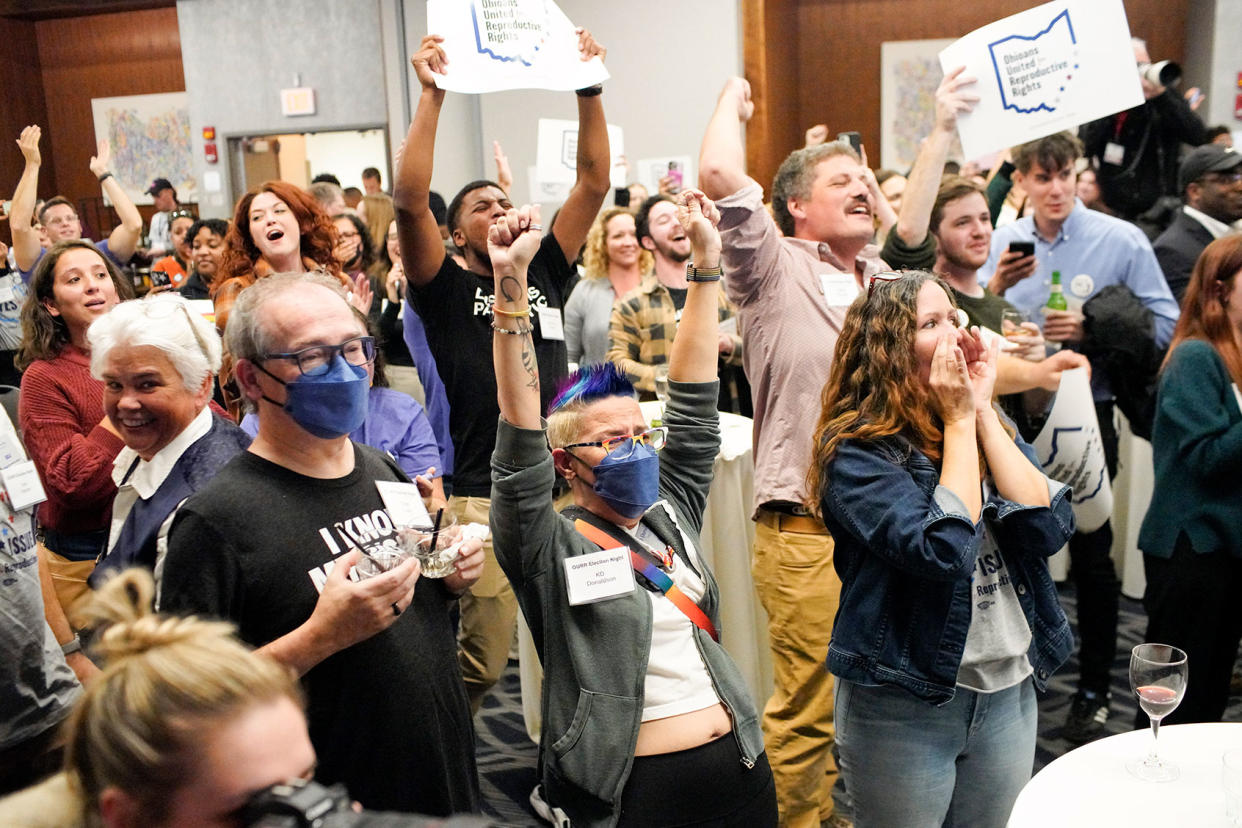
(1090, 786)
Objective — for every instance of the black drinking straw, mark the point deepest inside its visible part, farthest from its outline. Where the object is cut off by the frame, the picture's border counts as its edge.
(435, 530)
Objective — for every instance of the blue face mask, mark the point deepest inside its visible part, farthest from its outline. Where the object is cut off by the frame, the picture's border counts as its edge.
(329, 405)
(628, 479)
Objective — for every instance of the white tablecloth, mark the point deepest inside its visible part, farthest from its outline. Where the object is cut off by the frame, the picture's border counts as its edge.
(728, 536)
(1090, 786)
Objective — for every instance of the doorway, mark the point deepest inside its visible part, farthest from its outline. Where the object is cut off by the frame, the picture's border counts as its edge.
(297, 157)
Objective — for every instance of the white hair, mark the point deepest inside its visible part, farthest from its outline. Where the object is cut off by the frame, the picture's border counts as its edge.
(163, 321)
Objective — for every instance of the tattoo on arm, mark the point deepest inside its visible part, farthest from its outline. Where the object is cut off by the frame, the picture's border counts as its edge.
(510, 288)
(529, 363)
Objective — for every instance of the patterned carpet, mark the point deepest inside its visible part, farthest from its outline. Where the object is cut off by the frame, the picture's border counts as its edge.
(506, 757)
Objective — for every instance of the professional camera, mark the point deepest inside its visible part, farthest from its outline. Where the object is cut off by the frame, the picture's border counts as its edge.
(307, 804)
(1161, 73)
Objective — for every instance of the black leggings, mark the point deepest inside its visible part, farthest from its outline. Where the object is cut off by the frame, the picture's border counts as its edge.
(704, 785)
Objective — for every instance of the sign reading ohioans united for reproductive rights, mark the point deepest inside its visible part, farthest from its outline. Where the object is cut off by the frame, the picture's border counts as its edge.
(493, 45)
(1043, 70)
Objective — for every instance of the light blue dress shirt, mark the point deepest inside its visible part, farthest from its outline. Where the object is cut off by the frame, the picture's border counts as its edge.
(1092, 250)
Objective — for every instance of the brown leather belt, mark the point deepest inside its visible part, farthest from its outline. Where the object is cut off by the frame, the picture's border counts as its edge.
(804, 524)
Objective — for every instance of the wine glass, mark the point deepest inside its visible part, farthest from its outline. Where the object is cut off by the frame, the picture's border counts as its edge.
(661, 383)
(1158, 678)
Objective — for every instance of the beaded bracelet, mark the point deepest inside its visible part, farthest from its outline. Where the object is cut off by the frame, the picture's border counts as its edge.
(517, 332)
(512, 314)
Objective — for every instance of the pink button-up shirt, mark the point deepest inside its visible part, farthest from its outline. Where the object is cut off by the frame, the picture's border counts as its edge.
(791, 309)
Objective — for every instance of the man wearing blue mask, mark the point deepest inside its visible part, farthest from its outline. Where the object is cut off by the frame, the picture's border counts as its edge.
(272, 541)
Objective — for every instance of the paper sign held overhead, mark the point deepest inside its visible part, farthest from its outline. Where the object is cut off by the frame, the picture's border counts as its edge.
(493, 45)
(1044, 70)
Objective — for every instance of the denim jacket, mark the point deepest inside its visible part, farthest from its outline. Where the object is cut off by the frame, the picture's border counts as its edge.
(906, 550)
(594, 656)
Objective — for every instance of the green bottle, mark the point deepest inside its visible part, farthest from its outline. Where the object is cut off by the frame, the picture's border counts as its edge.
(1056, 299)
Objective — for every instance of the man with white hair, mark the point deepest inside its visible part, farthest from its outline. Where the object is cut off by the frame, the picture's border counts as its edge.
(157, 360)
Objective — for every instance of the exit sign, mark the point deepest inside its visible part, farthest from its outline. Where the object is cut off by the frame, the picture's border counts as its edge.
(297, 101)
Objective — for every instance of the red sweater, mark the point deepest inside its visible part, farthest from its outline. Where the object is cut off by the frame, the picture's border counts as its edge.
(60, 411)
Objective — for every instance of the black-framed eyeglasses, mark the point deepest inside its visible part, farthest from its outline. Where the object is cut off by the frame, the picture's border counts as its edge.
(652, 438)
(886, 276)
(317, 359)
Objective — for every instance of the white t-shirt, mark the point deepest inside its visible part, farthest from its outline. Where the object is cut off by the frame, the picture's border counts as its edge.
(677, 680)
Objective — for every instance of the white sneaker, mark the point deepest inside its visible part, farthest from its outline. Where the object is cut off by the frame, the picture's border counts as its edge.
(553, 816)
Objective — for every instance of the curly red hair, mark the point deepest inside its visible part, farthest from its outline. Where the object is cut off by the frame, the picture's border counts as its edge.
(318, 234)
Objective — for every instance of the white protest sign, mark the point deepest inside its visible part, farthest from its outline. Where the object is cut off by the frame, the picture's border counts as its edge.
(1070, 450)
(1043, 70)
(494, 45)
(556, 152)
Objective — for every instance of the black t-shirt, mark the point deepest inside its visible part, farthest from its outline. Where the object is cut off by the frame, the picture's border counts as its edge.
(456, 309)
(678, 295)
(388, 716)
(987, 310)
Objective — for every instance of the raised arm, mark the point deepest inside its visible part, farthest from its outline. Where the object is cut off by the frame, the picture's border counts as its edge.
(694, 351)
(511, 243)
(422, 250)
(21, 216)
(722, 158)
(125, 236)
(594, 162)
(920, 194)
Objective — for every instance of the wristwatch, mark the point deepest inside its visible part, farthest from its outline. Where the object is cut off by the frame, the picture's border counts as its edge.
(73, 645)
(703, 274)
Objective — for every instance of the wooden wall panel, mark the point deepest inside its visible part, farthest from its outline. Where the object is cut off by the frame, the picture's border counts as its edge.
(22, 104)
(837, 46)
(101, 56)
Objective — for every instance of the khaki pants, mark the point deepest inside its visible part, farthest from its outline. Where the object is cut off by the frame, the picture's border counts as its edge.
(488, 613)
(799, 589)
(69, 581)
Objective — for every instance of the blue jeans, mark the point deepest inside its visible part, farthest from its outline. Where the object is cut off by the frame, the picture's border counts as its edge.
(910, 763)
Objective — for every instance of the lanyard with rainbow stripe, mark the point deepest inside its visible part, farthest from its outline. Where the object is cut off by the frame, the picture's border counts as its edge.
(656, 576)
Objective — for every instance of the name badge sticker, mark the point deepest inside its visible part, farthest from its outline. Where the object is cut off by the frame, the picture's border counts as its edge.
(1082, 285)
(598, 576)
(22, 484)
(404, 504)
(1114, 154)
(840, 289)
(550, 326)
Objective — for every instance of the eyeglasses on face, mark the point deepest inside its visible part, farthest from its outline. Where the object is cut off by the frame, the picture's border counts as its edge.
(317, 359)
(652, 438)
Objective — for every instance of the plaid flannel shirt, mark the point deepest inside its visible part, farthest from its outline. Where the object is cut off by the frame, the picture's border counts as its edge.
(644, 322)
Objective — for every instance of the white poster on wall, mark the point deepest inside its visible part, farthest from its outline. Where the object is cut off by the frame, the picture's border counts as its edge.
(494, 45)
(150, 139)
(556, 152)
(1071, 451)
(1043, 70)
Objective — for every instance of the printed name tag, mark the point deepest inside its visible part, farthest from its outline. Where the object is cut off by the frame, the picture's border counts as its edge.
(598, 576)
(21, 481)
(840, 289)
(1114, 154)
(404, 504)
(550, 326)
